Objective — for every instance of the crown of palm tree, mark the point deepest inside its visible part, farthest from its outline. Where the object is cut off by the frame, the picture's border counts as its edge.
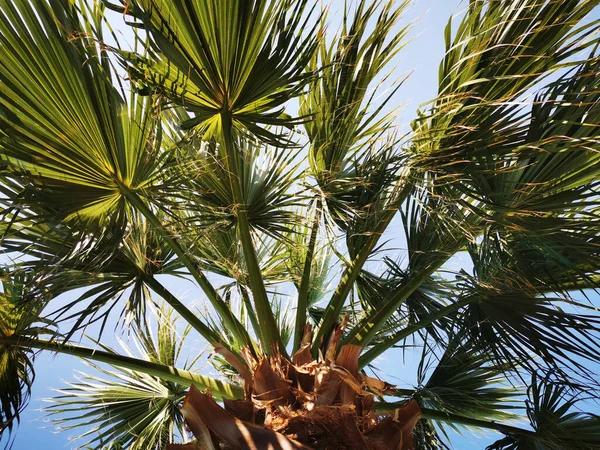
(193, 168)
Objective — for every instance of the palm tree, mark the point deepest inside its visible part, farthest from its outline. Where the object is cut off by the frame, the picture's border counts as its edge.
(199, 166)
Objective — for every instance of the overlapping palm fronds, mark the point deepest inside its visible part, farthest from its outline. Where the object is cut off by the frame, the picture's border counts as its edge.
(124, 407)
(513, 326)
(356, 165)
(557, 424)
(250, 72)
(67, 132)
(426, 437)
(18, 319)
(290, 237)
(462, 383)
(64, 262)
(341, 107)
(466, 382)
(498, 52)
(429, 299)
(268, 177)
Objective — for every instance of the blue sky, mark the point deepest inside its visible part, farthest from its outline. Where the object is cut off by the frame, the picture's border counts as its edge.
(421, 57)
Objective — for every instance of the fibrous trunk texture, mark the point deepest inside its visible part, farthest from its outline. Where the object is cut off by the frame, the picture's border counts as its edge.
(301, 404)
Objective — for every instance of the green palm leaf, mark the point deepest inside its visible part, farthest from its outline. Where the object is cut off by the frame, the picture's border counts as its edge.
(108, 267)
(557, 426)
(513, 325)
(338, 101)
(321, 263)
(269, 186)
(549, 254)
(129, 408)
(498, 52)
(426, 437)
(428, 299)
(545, 206)
(554, 168)
(465, 382)
(251, 74)
(18, 318)
(110, 271)
(69, 135)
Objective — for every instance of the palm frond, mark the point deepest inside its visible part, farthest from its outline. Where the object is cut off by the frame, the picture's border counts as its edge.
(321, 264)
(124, 407)
(70, 135)
(514, 325)
(465, 382)
(554, 169)
(284, 317)
(546, 204)
(269, 178)
(338, 102)
(251, 74)
(20, 305)
(557, 426)
(529, 174)
(364, 191)
(199, 173)
(427, 437)
(67, 258)
(548, 254)
(428, 299)
(435, 230)
(498, 52)
(220, 252)
(111, 276)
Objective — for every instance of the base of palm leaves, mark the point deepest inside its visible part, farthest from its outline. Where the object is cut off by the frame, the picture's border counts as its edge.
(305, 403)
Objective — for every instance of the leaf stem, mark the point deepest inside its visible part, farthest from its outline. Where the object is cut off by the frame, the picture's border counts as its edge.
(217, 302)
(269, 331)
(250, 310)
(219, 389)
(454, 418)
(302, 306)
(392, 339)
(352, 271)
(432, 414)
(204, 330)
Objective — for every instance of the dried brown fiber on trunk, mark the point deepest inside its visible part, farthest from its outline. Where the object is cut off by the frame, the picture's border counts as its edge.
(304, 404)
(234, 433)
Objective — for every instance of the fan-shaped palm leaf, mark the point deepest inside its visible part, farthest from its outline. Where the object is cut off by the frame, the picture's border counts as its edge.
(17, 319)
(129, 408)
(69, 135)
(513, 325)
(250, 74)
(465, 382)
(338, 101)
(557, 426)
(545, 204)
(269, 178)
